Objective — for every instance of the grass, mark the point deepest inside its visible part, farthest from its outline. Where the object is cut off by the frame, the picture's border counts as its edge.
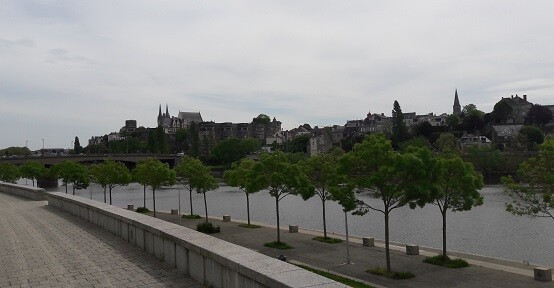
(340, 279)
(250, 226)
(449, 263)
(193, 216)
(207, 228)
(278, 245)
(327, 240)
(391, 274)
(142, 210)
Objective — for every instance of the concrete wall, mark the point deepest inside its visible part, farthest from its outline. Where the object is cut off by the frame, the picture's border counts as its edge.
(208, 260)
(32, 193)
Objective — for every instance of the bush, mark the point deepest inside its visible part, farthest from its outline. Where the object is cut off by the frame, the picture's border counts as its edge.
(450, 263)
(327, 240)
(278, 245)
(391, 274)
(250, 226)
(193, 216)
(142, 210)
(343, 280)
(207, 228)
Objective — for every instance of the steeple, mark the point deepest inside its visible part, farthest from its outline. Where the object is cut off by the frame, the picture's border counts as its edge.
(160, 112)
(166, 111)
(456, 109)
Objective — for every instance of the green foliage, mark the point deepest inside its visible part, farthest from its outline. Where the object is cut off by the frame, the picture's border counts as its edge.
(142, 210)
(399, 130)
(250, 226)
(109, 175)
(473, 119)
(207, 228)
(151, 172)
(73, 173)
(298, 144)
(531, 135)
(390, 274)
(33, 170)
(281, 178)
(194, 175)
(502, 112)
(340, 279)
(538, 115)
(328, 240)
(533, 196)
(424, 129)
(240, 175)
(418, 141)
(230, 150)
(77, 146)
(448, 145)
(20, 151)
(9, 173)
(321, 172)
(485, 159)
(452, 121)
(440, 260)
(278, 245)
(262, 119)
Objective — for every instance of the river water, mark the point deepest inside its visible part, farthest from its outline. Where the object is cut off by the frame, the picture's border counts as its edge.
(485, 230)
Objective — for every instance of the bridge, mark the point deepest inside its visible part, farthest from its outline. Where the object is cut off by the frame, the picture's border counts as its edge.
(130, 160)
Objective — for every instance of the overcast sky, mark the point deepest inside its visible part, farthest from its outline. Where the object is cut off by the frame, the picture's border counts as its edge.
(81, 68)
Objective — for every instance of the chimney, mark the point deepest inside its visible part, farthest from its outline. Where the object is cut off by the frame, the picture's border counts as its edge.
(525, 97)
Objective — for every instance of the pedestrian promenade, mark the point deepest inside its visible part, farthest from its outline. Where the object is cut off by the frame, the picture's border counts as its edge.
(483, 272)
(41, 246)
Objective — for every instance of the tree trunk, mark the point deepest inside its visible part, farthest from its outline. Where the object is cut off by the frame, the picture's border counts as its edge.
(73, 188)
(324, 221)
(278, 230)
(154, 200)
(65, 188)
(144, 196)
(110, 195)
(248, 207)
(190, 199)
(387, 251)
(206, 207)
(444, 235)
(105, 194)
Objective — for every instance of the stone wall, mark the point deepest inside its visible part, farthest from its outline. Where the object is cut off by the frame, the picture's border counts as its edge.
(208, 260)
(32, 193)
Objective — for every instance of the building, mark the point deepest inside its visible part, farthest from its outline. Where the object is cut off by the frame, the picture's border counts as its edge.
(172, 124)
(456, 108)
(520, 108)
(505, 133)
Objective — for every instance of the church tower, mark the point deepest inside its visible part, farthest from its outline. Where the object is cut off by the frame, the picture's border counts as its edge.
(457, 109)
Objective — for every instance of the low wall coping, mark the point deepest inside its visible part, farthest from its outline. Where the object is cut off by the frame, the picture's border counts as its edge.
(29, 192)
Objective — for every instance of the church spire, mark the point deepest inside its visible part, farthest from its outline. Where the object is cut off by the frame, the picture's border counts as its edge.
(166, 111)
(160, 112)
(456, 109)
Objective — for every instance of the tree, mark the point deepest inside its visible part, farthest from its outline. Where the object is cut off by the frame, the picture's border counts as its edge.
(140, 174)
(156, 175)
(240, 176)
(73, 173)
(399, 130)
(502, 112)
(532, 196)
(32, 170)
(262, 119)
(394, 178)
(485, 159)
(424, 129)
(194, 140)
(77, 146)
(299, 144)
(452, 121)
(110, 174)
(456, 188)
(193, 175)
(275, 173)
(9, 173)
(204, 182)
(230, 150)
(448, 145)
(538, 115)
(531, 135)
(418, 141)
(320, 170)
(473, 119)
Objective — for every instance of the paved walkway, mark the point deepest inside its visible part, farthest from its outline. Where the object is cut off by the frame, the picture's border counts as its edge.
(42, 246)
(332, 256)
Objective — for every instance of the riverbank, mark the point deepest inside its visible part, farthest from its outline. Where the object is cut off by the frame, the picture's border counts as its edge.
(483, 272)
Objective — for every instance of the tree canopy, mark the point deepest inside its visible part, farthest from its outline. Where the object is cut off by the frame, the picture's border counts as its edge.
(399, 130)
(538, 115)
(240, 175)
(532, 196)
(193, 175)
(32, 170)
(152, 172)
(9, 173)
(109, 175)
(73, 173)
(230, 150)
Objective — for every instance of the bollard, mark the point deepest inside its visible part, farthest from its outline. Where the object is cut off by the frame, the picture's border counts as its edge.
(543, 274)
(226, 218)
(130, 207)
(293, 228)
(368, 241)
(412, 249)
(174, 212)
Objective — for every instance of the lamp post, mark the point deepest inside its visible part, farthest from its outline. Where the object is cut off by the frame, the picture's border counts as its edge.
(43, 147)
(71, 145)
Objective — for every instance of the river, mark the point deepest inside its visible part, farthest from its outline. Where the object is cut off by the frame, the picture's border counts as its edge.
(485, 230)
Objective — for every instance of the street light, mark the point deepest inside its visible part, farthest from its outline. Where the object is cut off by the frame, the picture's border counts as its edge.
(43, 147)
